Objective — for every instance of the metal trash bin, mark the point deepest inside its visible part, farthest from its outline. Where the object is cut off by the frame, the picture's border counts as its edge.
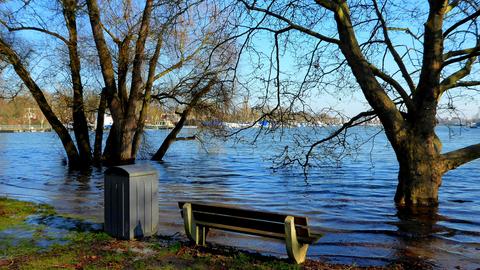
(131, 201)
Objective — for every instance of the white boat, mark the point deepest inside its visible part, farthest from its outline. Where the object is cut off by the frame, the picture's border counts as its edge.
(161, 125)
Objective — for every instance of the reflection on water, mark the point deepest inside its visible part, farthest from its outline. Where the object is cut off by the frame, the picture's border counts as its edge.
(351, 204)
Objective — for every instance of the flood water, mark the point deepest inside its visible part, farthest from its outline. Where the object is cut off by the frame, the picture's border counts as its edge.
(350, 203)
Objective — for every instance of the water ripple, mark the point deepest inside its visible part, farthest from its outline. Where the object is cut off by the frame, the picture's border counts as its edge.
(351, 204)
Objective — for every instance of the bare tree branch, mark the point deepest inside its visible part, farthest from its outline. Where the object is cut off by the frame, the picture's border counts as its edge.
(472, 54)
(452, 80)
(334, 134)
(112, 36)
(461, 22)
(396, 56)
(461, 52)
(406, 30)
(182, 61)
(462, 84)
(388, 79)
(461, 156)
(291, 23)
(37, 29)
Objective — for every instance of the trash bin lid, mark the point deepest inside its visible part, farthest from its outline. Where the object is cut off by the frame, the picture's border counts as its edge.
(131, 170)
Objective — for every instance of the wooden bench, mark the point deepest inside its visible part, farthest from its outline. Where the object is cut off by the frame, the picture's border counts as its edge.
(199, 218)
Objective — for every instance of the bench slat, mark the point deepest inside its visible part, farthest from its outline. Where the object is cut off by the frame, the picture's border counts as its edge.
(242, 230)
(281, 236)
(231, 211)
(248, 223)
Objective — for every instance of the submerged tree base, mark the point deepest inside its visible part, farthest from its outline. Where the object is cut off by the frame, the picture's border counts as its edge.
(35, 237)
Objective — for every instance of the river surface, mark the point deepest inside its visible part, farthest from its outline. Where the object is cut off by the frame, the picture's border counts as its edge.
(351, 202)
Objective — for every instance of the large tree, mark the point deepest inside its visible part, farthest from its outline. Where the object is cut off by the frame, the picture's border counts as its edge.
(27, 19)
(208, 84)
(122, 49)
(403, 56)
(123, 106)
(161, 32)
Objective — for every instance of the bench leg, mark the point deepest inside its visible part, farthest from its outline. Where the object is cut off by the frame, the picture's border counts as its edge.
(201, 235)
(195, 233)
(296, 251)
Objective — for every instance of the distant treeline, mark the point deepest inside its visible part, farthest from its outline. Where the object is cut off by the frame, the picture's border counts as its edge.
(18, 111)
(22, 109)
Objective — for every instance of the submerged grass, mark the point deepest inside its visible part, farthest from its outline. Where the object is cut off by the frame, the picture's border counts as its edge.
(47, 245)
(13, 212)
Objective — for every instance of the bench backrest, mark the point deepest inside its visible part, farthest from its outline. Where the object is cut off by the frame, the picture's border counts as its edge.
(249, 221)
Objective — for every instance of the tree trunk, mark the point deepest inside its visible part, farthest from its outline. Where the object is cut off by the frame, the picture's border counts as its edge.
(173, 134)
(62, 132)
(105, 59)
(97, 149)
(80, 125)
(418, 183)
(122, 70)
(137, 138)
(411, 134)
(421, 170)
(129, 126)
(171, 137)
(118, 149)
(113, 147)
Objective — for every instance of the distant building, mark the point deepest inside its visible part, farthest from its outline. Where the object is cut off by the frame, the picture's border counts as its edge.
(107, 120)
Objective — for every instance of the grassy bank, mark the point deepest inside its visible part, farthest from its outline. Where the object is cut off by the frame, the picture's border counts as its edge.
(35, 237)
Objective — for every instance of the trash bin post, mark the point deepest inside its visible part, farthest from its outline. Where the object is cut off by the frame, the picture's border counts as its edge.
(131, 201)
